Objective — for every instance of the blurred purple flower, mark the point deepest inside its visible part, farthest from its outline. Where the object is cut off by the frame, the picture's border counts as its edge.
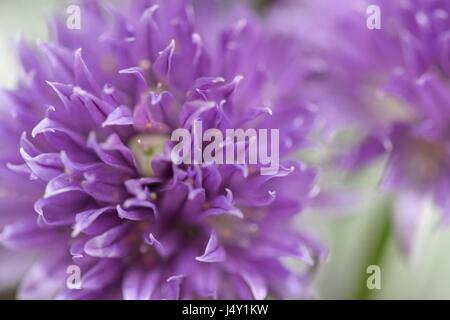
(93, 119)
(393, 84)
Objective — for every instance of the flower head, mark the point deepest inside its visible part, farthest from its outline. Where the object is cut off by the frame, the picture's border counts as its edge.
(94, 119)
(393, 84)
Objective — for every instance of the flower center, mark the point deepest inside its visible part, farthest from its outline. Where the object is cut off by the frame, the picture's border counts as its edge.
(144, 148)
(233, 230)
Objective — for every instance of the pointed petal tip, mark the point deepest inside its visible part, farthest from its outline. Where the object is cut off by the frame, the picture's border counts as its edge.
(214, 252)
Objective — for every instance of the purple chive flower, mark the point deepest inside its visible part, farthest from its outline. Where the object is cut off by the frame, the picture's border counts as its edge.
(393, 83)
(92, 183)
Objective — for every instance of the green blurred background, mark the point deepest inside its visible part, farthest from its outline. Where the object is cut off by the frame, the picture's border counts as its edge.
(356, 238)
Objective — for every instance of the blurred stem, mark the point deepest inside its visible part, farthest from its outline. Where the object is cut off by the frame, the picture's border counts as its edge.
(378, 250)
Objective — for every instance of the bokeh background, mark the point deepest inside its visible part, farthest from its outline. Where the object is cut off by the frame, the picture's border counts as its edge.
(357, 235)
